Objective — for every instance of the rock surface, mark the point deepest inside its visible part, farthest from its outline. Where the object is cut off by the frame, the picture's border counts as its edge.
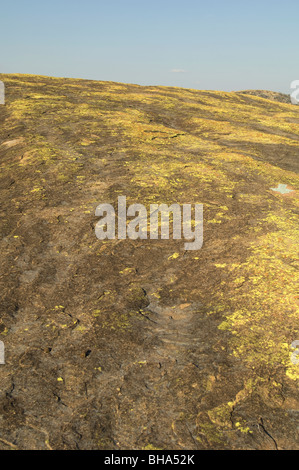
(119, 344)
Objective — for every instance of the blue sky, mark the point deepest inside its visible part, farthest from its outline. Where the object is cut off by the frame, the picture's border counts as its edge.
(212, 44)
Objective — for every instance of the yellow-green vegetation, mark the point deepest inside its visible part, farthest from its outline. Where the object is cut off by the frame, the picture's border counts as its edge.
(67, 146)
(264, 297)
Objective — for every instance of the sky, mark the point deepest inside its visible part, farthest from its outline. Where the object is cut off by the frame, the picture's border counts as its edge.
(212, 44)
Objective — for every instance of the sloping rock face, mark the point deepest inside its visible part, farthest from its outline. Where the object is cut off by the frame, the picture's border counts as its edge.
(269, 95)
(141, 344)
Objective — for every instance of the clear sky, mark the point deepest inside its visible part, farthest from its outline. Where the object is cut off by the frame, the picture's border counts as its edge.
(212, 44)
